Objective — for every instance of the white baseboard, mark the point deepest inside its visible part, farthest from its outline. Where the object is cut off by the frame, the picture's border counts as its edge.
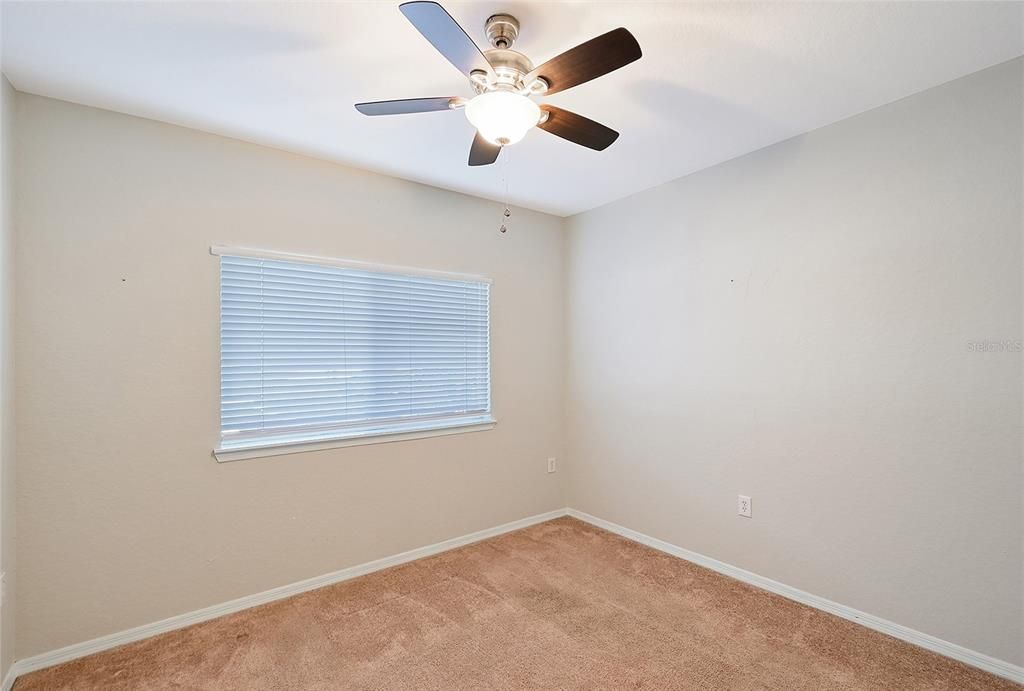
(923, 640)
(952, 650)
(77, 650)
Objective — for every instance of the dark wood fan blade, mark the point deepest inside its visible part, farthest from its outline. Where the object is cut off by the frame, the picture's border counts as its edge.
(483, 153)
(577, 129)
(407, 105)
(445, 34)
(598, 56)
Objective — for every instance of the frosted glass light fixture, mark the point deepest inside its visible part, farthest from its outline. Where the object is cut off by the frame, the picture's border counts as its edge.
(502, 117)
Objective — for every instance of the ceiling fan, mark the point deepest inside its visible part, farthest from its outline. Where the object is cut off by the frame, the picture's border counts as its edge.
(505, 81)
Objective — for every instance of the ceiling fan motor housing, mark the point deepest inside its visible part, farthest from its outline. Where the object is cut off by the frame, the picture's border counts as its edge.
(509, 67)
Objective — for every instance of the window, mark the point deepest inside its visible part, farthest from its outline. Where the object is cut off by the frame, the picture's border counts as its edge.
(317, 351)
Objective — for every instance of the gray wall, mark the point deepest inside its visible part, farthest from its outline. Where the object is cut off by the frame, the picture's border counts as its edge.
(7, 465)
(124, 516)
(795, 325)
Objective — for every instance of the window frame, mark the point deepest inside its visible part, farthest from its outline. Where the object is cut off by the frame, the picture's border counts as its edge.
(330, 439)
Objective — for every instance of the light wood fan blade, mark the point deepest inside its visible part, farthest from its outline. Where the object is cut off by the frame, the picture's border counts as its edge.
(598, 56)
(409, 105)
(577, 129)
(445, 34)
(483, 152)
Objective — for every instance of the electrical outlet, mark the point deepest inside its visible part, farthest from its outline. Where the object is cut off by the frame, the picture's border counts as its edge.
(744, 507)
(552, 465)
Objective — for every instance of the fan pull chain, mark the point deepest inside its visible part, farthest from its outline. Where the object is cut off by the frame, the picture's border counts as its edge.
(507, 214)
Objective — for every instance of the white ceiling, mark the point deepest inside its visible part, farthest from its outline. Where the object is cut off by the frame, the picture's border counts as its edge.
(717, 80)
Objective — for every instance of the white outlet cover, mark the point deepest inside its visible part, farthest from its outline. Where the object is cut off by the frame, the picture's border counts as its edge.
(552, 465)
(744, 507)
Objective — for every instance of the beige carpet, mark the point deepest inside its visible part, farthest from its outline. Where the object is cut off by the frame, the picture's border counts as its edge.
(561, 605)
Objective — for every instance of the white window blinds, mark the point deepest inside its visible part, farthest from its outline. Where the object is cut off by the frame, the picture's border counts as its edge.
(314, 352)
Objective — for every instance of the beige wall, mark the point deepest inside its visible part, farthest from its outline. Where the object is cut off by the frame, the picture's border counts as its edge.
(794, 325)
(124, 517)
(7, 494)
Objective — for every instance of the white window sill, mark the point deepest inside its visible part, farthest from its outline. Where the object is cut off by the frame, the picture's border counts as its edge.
(240, 452)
